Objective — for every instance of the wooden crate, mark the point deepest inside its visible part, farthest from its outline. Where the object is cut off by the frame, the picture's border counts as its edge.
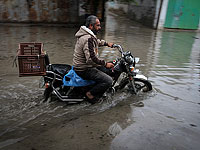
(31, 59)
(30, 49)
(31, 65)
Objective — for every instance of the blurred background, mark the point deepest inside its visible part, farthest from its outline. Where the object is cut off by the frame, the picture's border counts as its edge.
(182, 14)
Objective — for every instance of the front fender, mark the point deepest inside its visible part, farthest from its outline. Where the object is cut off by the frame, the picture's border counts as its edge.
(140, 76)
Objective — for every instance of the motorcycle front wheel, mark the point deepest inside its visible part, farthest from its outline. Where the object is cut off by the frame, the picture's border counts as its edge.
(140, 85)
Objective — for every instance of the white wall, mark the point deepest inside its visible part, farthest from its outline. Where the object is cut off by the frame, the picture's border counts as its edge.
(163, 14)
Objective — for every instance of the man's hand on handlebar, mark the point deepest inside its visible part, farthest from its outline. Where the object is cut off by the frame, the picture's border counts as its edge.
(110, 45)
(109, 65)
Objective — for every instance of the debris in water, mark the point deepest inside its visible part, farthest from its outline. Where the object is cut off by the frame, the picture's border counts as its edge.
(114, 129)
(43, 124)
(193, 125)
(139, 104)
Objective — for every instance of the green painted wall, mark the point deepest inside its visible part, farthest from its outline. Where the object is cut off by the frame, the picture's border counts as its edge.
(183, 14)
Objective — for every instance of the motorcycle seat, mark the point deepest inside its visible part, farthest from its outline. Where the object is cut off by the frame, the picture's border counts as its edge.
(61, 69)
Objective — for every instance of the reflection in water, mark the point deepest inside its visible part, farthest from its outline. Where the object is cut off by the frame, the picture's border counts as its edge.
(175, 48)
(173, 64)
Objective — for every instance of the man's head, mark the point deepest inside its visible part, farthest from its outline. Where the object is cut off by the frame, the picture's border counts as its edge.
(93, 23)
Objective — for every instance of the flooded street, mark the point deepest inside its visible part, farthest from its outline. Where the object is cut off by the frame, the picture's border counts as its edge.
(170, 118)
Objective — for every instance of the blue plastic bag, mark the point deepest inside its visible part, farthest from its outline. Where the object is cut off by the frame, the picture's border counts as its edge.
(75, 80)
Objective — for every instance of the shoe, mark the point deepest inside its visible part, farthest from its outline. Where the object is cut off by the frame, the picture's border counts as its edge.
(92, 101)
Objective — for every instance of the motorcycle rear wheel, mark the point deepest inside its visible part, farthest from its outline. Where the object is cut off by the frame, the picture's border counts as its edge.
(47, 93)
(140, 84)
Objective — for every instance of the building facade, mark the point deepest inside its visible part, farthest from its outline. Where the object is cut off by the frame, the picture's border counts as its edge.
(49, 11)
(160, 14)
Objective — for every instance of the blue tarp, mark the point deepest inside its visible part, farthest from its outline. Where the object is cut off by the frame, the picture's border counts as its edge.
(75, 80)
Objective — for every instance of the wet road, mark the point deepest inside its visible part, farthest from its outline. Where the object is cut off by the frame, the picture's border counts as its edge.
(170, 118)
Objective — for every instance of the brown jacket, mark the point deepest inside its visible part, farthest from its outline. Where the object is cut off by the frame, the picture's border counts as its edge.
(86, 50)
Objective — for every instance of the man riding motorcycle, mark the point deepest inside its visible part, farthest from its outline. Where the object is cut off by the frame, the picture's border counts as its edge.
(86, 62)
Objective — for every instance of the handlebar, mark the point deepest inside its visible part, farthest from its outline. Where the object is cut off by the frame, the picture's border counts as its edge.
(118, 47)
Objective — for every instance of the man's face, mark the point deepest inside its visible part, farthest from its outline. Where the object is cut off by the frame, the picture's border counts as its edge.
(97, 27)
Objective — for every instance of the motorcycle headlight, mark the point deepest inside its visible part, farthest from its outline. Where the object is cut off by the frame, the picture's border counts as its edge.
(129, 59)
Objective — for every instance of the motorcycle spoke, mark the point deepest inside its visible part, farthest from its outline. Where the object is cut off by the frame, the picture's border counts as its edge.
(141, 87)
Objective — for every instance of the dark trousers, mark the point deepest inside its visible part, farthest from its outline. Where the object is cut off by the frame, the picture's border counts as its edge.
(100, 76)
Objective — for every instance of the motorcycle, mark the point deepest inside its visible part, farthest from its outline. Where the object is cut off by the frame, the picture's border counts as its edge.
(123, 66)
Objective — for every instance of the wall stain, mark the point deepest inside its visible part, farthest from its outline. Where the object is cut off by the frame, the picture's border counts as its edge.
(47, 11)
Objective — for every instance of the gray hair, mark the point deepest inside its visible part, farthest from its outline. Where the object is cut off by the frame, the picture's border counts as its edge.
(90, 20)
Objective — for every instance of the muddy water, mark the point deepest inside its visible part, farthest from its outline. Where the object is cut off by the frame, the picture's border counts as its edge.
(171, 113)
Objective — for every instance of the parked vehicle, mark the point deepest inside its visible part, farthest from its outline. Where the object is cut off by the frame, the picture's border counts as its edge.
(130, 80)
